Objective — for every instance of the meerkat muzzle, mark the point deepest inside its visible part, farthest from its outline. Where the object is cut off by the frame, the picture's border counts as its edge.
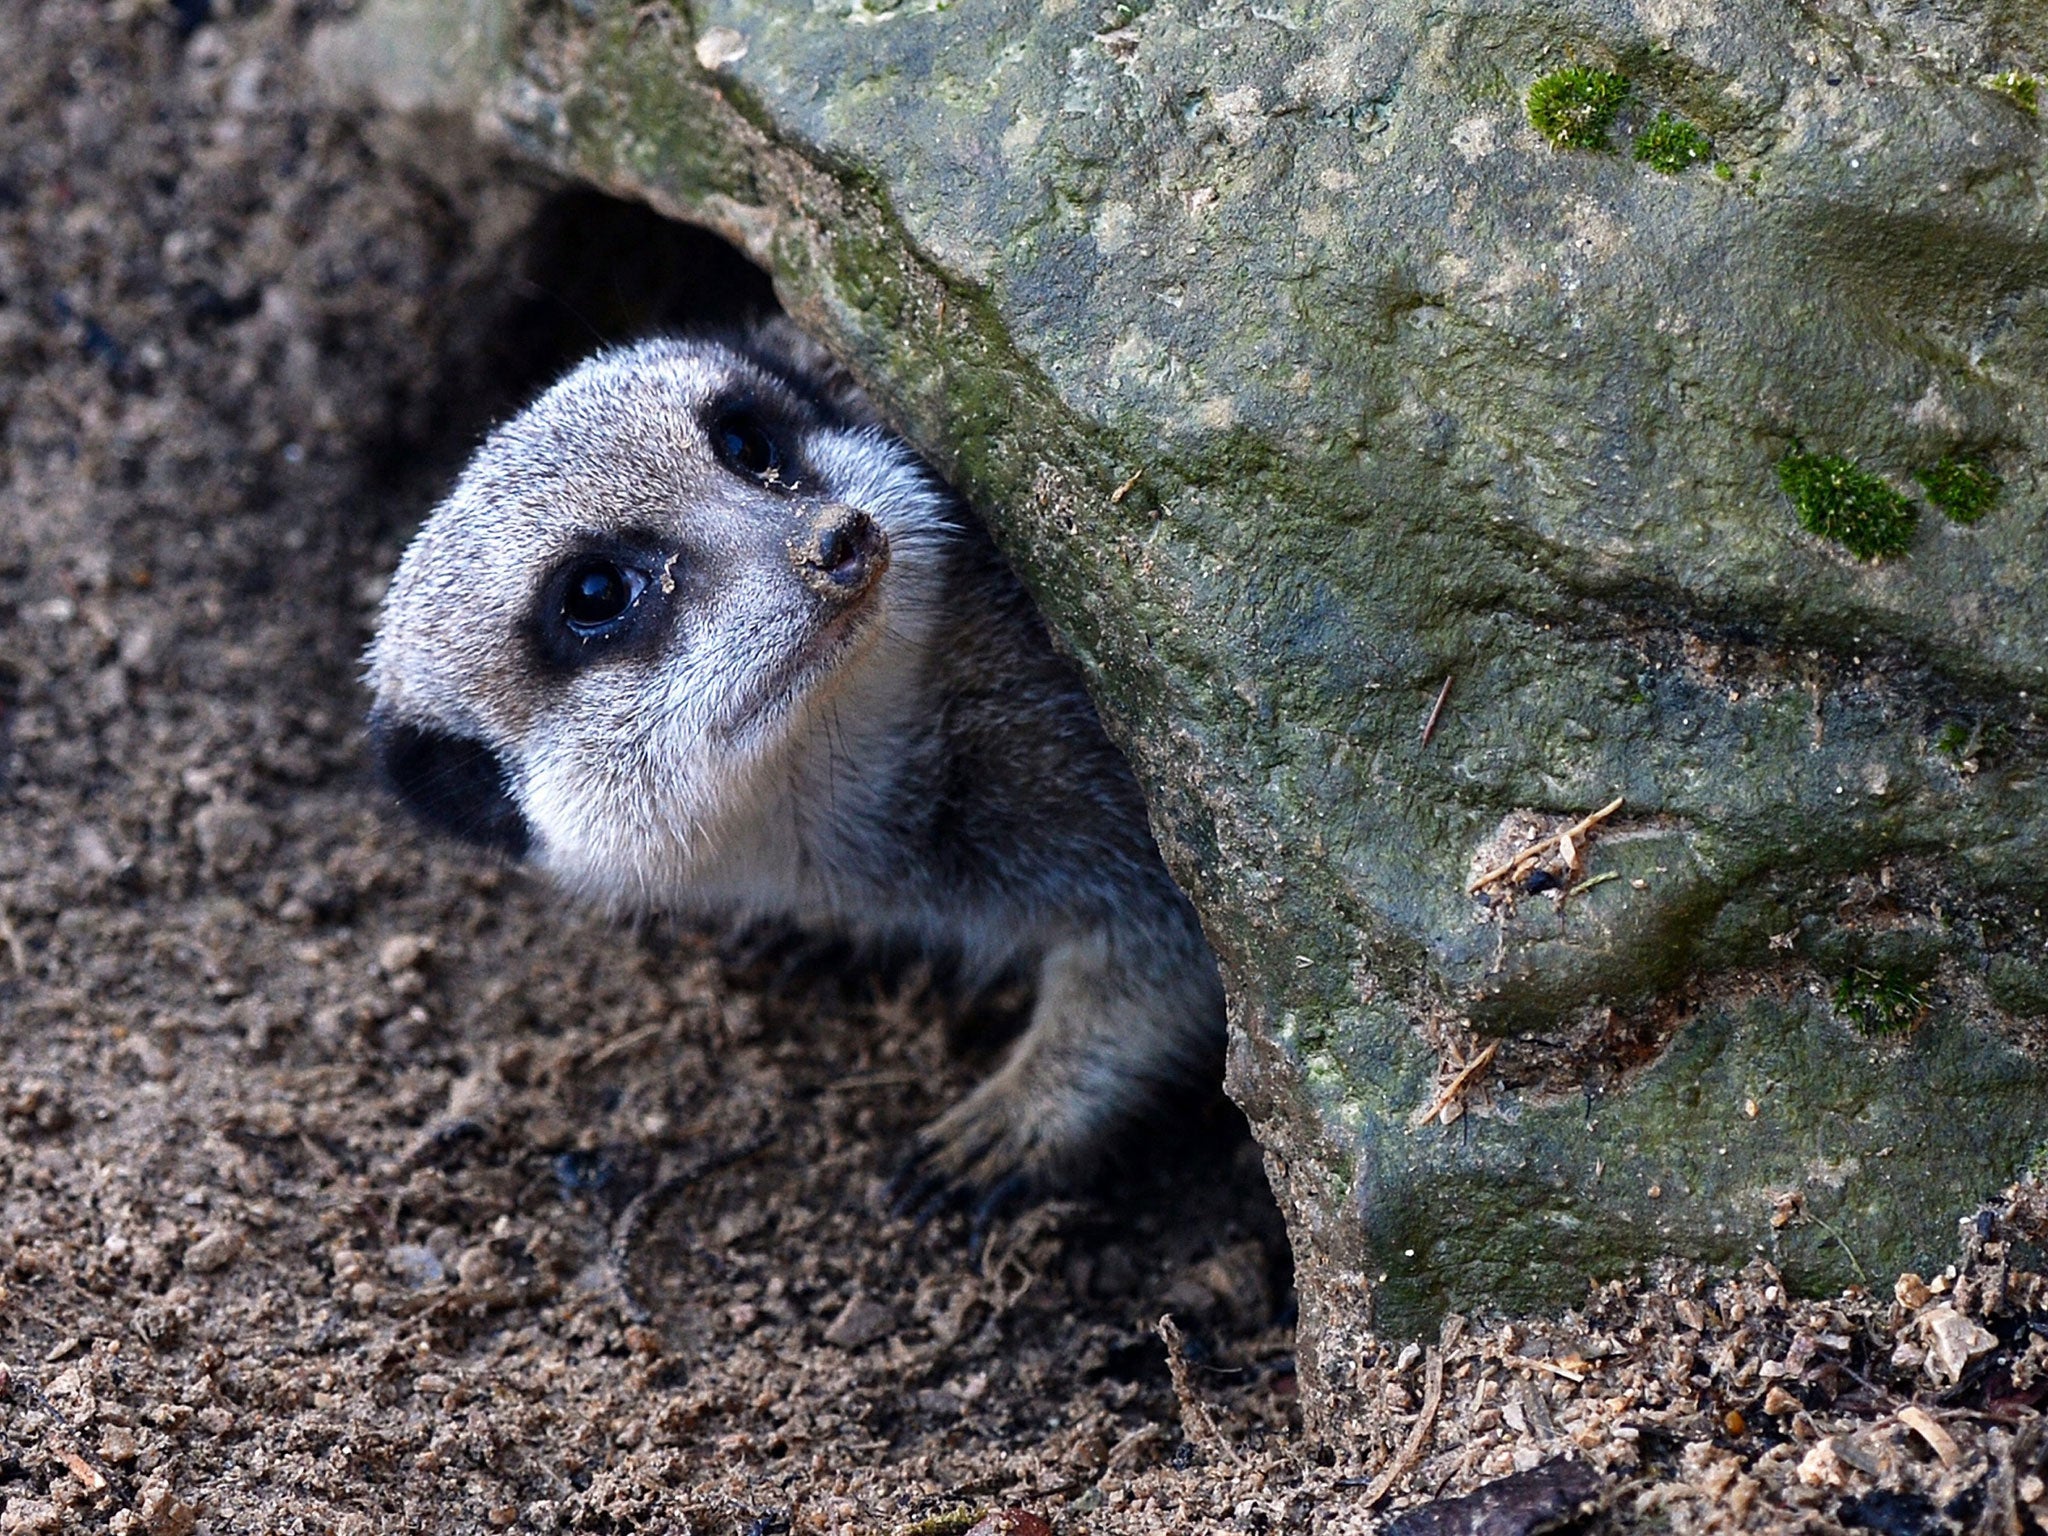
(841, 553)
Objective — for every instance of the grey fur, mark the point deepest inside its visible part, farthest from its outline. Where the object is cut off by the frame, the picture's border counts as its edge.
(912, 760)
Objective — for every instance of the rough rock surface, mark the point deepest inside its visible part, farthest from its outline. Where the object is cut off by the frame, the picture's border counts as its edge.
(1299, 373)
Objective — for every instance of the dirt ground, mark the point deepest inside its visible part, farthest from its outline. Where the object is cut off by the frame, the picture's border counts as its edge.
(351, 1183)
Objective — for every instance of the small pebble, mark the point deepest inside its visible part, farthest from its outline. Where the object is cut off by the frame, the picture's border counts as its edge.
(163, 1512)
(402, 952)
(214, 1252)
(414, 1264)
(477, 1268)
(232, 837)
(860, 1322)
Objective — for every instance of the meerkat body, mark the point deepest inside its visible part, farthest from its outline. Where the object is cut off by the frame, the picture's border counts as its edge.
(693, 633)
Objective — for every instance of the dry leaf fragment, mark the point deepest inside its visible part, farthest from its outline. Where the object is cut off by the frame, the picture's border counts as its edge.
(1939, 1440)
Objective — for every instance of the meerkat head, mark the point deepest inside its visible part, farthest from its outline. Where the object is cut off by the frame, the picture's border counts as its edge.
(639, 604)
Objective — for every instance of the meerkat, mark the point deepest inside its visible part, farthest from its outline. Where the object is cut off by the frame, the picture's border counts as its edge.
(694, 633)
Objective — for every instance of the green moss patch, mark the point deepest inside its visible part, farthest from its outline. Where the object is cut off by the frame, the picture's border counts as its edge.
(2023, 89)
(1964, 488)
(1885, 1002)
(1671, 145)
(1839, 500)
(1575, 107)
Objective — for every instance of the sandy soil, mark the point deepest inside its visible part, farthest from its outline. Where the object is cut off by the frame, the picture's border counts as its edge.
(351, 1183)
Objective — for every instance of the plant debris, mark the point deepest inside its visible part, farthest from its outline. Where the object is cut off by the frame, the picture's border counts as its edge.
(1525, 861)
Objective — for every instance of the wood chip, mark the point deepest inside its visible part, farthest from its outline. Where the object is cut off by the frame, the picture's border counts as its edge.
(83, 1470)
(1780, 1404)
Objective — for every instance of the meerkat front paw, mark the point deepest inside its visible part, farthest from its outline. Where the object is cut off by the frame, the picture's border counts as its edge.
(1106, 1038)
(981, 1158)
(1000, 1147)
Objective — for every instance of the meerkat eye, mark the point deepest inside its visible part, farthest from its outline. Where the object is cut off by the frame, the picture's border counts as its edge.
(745, 447)
(598, 594)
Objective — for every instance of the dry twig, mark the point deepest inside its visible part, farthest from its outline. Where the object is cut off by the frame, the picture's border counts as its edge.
(1436, 710)
(623, 1045)
(1553, 1367)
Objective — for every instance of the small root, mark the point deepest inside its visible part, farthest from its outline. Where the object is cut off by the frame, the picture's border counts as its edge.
(626, 1230)
(1425, 1421)
(1195, 1419)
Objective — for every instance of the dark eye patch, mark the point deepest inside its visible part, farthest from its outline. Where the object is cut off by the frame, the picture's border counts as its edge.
(611, 597)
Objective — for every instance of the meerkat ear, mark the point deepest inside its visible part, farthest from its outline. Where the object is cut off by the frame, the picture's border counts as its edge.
(778, 345)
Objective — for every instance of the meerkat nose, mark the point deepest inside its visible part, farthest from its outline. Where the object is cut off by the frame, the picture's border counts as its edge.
(452, 783)
(841, 553)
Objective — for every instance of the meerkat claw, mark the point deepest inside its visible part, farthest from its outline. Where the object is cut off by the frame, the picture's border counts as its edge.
(1007, 1194)
(917, 1191)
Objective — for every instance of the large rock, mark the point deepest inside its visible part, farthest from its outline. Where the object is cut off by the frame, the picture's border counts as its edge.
(1299, 373)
